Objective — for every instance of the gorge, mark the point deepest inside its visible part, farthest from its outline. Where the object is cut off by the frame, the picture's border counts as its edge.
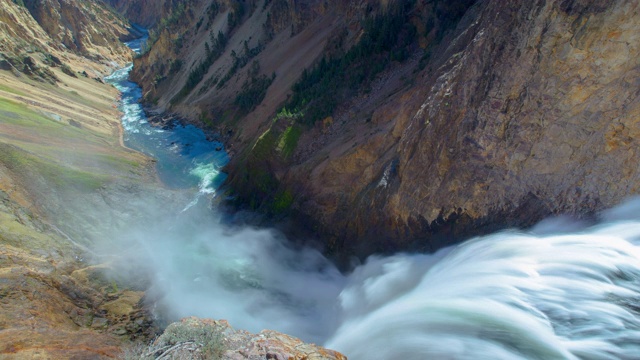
(397, 165)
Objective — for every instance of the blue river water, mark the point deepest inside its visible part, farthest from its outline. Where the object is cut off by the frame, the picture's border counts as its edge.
(185, 158)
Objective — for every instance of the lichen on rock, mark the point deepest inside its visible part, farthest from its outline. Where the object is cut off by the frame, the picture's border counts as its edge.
(194, 338)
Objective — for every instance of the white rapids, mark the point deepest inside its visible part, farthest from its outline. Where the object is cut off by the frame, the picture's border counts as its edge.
(511, 295)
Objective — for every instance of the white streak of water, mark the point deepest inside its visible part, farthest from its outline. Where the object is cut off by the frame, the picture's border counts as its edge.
(511, 295)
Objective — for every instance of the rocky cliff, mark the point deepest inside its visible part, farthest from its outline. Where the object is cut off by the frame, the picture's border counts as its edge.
(61, 171)
(143, 12)
(409, 125)
(62, 33)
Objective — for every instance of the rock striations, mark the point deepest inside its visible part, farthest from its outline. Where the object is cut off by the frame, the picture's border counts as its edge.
(63, 33)
(409, 125)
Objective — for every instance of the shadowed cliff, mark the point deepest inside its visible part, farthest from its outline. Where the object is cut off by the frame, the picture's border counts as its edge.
(408, 125)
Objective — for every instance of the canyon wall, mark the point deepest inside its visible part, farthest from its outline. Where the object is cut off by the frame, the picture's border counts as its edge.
(62, 168)
(446, 120)
(63, 32)
(144, 12)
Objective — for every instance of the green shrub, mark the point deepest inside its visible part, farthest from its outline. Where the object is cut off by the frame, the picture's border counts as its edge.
(386, 38)
(289, 141)
(282, 202)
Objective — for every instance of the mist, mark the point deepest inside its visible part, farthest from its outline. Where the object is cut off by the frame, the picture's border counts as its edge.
(562, 289)
(197, 266)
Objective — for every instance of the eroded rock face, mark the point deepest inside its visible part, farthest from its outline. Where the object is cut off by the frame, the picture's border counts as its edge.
(531, 109)
(50, 307)
(521, 111)
(527, 110)
(194, 338)
(85, 28)
(76, 37)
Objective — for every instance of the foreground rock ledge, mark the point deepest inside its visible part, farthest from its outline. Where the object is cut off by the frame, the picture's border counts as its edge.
(194, 338)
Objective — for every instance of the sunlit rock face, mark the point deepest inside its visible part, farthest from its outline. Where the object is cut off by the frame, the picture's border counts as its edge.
(54, 26)
(530, 111)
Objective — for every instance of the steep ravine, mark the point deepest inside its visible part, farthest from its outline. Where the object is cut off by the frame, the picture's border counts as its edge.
(518, 112)
(85, 224)
(62, 169)
(74, 283)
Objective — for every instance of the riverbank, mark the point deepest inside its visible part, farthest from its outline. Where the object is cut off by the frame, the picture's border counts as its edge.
(65, 184)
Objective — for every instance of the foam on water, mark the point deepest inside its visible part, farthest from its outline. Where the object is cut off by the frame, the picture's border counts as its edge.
(510, 295)
(209, 175)
(186, 158)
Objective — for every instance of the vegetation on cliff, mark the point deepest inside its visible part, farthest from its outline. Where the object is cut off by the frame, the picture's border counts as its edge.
(423, 117)
(386, 37)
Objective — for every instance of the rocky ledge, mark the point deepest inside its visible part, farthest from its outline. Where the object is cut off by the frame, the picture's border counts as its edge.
(194, 338)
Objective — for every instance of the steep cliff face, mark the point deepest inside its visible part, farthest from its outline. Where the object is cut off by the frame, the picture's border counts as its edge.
(56, 32)
(62, 169)
(445, 119)
(528, 110)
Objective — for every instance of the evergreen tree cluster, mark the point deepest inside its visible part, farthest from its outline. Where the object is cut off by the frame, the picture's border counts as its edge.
(254, 89)
(387, 37)
(235, 15)
(212, 53)
(240, 61)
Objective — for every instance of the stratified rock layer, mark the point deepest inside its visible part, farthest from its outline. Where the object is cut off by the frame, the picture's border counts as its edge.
(64, 29)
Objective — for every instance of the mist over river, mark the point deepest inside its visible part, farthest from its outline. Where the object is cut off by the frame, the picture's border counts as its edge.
(561, 290)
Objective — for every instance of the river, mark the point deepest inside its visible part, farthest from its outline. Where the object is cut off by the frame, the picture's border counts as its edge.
(560, 290)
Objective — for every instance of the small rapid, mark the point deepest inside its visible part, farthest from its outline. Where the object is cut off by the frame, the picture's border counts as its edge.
(185, 158)
(561, 290)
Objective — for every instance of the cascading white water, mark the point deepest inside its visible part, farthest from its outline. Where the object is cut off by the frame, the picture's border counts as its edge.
(506, 296)
(511, 295)
(542, 294)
